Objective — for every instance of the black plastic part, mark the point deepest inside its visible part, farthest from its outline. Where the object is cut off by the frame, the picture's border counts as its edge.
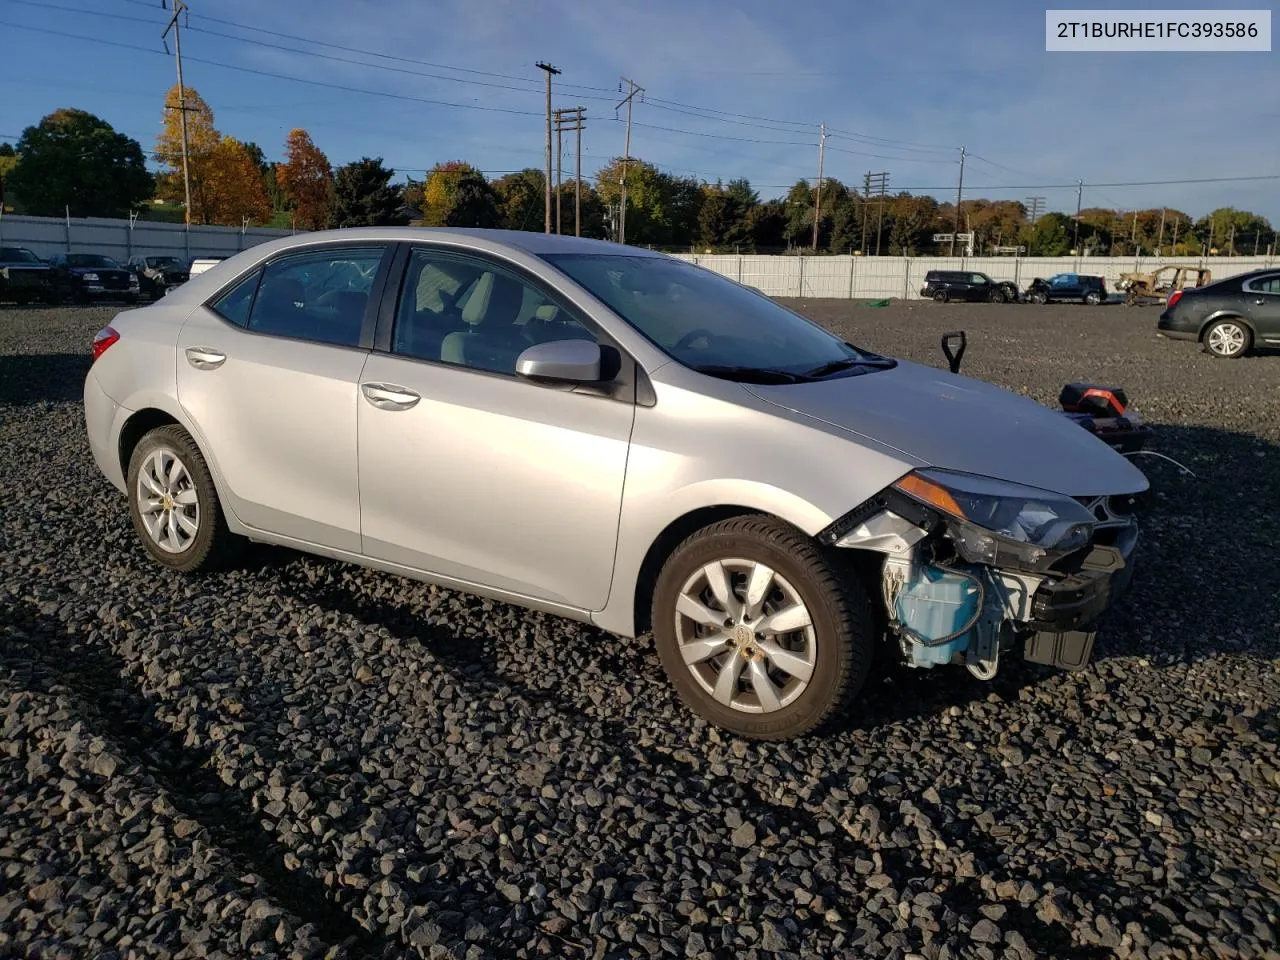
(1080, 598)
(1094, 398)
(953, 358)
(1064, 649)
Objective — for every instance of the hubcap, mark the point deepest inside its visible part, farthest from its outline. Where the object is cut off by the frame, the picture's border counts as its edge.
(745, 635)
(1226, 339)
(167, 501)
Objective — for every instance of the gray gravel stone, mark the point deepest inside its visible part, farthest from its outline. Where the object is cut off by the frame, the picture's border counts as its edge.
(304, 759)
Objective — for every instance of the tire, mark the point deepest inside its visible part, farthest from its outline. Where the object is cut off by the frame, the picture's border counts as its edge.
(1227, 339)
(835, 647)
(996, 296)
(212, 545)
(1093, 298)
(1039, 297)
(941, 296)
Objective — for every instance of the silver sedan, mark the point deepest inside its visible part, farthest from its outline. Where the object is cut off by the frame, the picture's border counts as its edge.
(617, 436)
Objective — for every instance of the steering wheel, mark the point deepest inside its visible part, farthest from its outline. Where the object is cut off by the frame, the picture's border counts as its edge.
(691, 336)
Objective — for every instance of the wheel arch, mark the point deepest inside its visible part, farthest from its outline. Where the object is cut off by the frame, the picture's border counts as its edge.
(155, 412)
(1213, 318)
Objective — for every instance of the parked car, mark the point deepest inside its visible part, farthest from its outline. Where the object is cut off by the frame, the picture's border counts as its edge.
(24, 277)
(157, 274)
(1068, 286)
(945, 285)
(201, 264)
(1229, 317)
(83, 277)
(613, 435)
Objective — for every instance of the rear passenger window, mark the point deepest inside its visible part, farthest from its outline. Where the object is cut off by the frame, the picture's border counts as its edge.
(1265, 285)
(320, 296)
(234, 305)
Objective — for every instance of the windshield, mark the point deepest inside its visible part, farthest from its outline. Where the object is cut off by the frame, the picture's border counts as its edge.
(89, 260)
(708, 322)
(17, 255)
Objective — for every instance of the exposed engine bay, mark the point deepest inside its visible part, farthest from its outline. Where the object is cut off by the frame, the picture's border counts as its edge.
(974, 568)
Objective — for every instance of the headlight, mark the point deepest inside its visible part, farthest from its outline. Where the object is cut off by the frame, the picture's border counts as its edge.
(995, 519)
(88, 276)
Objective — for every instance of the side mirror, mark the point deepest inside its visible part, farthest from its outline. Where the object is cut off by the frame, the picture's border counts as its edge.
(576, 361)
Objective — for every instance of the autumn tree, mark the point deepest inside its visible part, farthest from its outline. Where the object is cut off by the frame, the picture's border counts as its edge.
(307, 180)
(203, 140)
(593, 212)
(473, 202)
(74, 160)
(522, 196)
(363, 196)
(8, 162)
(233, 188)
(662, 209)
(441, 185)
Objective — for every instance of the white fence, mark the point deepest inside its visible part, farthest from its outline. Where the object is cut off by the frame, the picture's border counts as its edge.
(874, 278)
(121, 239)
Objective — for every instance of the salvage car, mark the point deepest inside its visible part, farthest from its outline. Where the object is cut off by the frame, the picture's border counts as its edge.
(946, 285)
(24, 277)
(617, 436)
(157, 274)
(83, 277)
(1068, 286)
(1228, 318)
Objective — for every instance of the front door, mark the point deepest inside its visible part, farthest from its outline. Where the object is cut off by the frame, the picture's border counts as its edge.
(467, 470)
(268, 375)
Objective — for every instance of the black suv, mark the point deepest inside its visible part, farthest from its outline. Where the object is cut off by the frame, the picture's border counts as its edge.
(1228, 317)
(24, 277)
(945, 285)
(1068, 286)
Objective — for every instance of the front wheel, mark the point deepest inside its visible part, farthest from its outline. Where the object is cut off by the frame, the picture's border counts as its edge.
(758, 632)
(1093, 298)
(174, 505)
(1227, 339)
(941, 296)
(1039, 297)
(996, 296)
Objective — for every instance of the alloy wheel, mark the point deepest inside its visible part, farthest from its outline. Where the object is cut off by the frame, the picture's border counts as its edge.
(746, 635)
(1226, 339)
(167, 501)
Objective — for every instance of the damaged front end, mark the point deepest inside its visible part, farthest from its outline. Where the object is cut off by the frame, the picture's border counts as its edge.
(974, 567)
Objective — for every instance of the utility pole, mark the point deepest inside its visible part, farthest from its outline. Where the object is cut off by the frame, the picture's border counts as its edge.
(632, 90)
(1034, 206)
(180, 7)
(559, 114)
(550, 70)
(876, 184)
(1079, 192)
(570, 118)
(1133, 237)
(959, 189)
(1160, 241)
(1174, 250)
(866, 195)
(817, 196)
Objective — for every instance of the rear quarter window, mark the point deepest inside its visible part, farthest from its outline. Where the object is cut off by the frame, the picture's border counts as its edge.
(234, 305)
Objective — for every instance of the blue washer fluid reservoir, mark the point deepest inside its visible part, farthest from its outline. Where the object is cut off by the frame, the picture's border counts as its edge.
(934, 603)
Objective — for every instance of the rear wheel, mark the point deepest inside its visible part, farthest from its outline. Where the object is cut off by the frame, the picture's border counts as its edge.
(174, 505)
(760, 635)
(941, 296)
(1093, 298)
(1228, 339)
(1039, 296)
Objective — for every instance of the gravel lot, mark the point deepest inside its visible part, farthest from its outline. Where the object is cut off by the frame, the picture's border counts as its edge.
(304, 759)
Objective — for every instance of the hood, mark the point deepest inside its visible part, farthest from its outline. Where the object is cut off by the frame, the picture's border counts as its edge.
(958, 423)
(22, 265)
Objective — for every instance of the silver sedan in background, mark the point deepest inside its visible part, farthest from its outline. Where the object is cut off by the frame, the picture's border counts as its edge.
(617, 436)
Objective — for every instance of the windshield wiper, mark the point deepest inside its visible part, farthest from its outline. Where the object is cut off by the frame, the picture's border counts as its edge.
(844, 363)
(751, 374)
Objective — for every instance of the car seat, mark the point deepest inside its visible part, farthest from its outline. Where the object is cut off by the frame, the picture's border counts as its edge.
(491, 341)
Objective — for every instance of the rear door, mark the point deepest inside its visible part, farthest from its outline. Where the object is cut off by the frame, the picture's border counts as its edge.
(1262, 295)
(268, 373)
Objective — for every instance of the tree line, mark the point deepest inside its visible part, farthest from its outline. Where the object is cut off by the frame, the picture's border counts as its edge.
(74, 161)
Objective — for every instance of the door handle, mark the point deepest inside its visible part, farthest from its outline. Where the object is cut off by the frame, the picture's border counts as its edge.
(205, 358)
(389, 396)
(1259, 302)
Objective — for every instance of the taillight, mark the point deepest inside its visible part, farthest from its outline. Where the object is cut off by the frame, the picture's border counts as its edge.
(103, 339)
(1174, 298)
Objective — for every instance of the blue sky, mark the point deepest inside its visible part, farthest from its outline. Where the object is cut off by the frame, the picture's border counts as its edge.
(902, 85)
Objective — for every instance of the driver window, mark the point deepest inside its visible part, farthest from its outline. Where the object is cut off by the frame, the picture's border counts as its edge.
(469, 312)
(318, 296)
